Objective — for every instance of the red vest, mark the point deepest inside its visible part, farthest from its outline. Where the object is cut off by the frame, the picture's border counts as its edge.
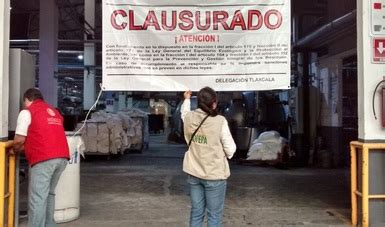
(46, 138)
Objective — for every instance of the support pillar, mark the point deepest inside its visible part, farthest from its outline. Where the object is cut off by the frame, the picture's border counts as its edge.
(122, 101)
(130, 100)
(89, 56)
(370, 130)
(304, 158)
(4, 67)
(369, 74)
(48, 33)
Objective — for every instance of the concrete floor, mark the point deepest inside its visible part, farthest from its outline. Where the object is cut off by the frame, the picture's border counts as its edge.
(149, 189)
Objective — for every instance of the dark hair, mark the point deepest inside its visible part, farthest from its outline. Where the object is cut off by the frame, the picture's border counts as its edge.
(32, 94)
(206, 99)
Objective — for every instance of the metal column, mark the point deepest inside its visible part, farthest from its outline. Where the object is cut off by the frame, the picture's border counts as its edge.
(370, 130)
(89, 55)
(4, 67)
(48, 50)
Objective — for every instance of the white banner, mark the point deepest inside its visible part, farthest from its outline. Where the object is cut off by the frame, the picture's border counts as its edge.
(235, 45)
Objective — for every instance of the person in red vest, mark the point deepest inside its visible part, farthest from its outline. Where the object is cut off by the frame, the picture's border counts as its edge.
(40, 133)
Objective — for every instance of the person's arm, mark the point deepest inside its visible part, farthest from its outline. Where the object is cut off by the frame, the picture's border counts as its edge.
(186, 106)
(227, 140)
(18, 143)
(23, 122)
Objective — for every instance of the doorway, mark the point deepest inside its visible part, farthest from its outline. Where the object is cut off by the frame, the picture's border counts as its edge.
(349, 106)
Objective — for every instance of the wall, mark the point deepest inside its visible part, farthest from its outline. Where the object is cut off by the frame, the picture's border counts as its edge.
(328, 81)
(22, 77)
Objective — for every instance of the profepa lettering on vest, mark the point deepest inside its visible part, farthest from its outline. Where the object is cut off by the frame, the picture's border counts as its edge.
(201, 139)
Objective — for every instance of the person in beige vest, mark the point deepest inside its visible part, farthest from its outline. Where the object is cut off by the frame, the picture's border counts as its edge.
(210, 145)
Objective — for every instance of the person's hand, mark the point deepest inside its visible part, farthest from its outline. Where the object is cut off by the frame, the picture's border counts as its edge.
(11, 151)
(187, 94)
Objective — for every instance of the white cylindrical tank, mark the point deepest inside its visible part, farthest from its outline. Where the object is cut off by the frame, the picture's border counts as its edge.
(67, 206)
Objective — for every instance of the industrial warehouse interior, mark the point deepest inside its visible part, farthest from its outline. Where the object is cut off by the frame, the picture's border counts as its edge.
(294, 164)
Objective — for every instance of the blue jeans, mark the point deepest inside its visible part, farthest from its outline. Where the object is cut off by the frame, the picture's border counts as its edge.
(208, 194)
(44, 177)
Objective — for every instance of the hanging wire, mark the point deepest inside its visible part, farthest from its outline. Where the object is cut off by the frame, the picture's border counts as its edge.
(374, 96)
(89, 111)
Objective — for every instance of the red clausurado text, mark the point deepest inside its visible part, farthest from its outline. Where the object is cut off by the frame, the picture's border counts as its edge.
(186, 20)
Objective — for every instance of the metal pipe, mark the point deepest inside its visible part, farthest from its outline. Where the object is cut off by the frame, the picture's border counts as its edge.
(2, 180)
(7, 183)
(353, 182)
(11, 189)
(365, 186)
(69, 66)
(334, 25)
(17, 191)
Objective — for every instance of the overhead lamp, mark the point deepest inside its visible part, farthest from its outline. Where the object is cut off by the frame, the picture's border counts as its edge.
(80, 57)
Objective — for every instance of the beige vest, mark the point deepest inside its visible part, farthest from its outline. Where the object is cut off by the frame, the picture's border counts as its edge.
(205, 157)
